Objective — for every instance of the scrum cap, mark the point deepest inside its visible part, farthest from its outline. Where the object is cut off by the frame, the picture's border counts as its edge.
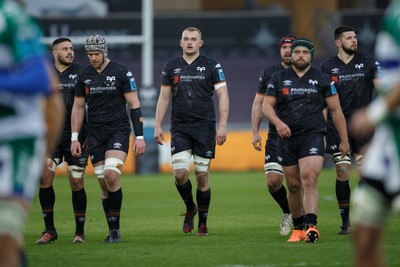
(97, 43)
(287, 39)
(306, 43)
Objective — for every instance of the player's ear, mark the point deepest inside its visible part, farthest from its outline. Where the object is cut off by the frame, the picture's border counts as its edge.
(201, 43)
(338, 43)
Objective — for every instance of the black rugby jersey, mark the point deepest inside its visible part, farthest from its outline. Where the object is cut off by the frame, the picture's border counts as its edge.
(262, 87)
(354, 81)
(300, 101)
(104, 94)
(67, 84)
(192, 89)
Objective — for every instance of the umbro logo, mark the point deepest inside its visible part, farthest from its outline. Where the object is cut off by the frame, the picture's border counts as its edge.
(313, 151)
(335, 70)
(287, 82)
(117, 145)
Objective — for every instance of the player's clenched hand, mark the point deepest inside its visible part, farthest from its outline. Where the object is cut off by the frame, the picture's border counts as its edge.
(139, 147)
(76, 149)
(344, 147)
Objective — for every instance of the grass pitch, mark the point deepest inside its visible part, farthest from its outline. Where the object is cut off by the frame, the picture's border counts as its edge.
(243, 227)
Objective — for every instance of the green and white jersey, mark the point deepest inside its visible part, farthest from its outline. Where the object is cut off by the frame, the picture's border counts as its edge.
(20, 115)
(388, 52)
(382, 161)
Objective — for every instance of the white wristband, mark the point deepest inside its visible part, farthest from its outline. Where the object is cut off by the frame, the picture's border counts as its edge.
(377, 110)
(140, 137)
(74, 136)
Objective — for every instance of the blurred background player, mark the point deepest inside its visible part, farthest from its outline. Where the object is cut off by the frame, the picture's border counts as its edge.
(31, 118)
(107, 87)
(354, 75)
(294, 101)
(378, 193)
(273, 170)
(67, 70)
(191, 80)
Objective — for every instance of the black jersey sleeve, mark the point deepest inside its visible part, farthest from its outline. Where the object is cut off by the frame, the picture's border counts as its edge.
(79, 84)
(165, 74)
(218, 75)
(128, 82)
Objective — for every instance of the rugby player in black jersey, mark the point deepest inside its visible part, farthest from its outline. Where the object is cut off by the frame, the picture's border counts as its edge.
(191, 80)
(67, 70)
(273, 170)
(294, 102)
(354, 76)
(107, 87)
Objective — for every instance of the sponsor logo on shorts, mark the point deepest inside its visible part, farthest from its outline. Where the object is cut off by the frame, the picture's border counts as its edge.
(313, 151)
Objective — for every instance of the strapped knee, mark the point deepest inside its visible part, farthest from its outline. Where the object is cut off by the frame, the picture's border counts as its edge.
(99, 171)
(114, 164)
(359, 160)
(273, 167)
(338, 159)
(52, 163)
(370, 207)
(76, 172)
(181, 160)
(201, 164)
(13, 220)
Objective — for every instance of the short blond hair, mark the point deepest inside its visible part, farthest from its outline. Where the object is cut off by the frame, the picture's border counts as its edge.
(192, 29)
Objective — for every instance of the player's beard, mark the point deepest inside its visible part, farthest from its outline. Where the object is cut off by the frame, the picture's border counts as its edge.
(64, 62)
(287, 60)
(301, 64)
(349, 50)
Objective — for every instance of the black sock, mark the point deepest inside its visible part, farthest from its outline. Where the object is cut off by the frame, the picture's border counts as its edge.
(203, 202)
(185, 191)
(106, 208)
(311, 219)
(298, 223)
(47, 199)
(79, 203)
(343, 198)
(115, 203)
(280, 197)
(23, 261)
